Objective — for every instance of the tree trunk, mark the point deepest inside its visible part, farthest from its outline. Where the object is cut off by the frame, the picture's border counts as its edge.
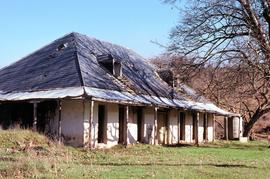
(248, 126)
(257, 115)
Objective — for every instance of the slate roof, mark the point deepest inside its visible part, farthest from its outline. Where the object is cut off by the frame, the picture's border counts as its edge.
(76, 65)
(68, 67)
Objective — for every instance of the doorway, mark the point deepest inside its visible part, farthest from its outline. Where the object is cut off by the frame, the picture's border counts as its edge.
(205, 127)
(182, 126)
(140, 123)
(121, 125)
(102, 124)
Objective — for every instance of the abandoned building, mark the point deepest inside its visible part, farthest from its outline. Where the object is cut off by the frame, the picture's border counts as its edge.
(86, 92)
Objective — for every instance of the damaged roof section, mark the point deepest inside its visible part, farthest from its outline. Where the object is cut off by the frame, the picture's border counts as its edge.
(78, 66)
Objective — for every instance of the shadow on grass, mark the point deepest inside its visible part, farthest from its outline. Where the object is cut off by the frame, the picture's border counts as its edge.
(229, 145)
(179, 145)
(236, 146)
(7, 159)
(176, 165)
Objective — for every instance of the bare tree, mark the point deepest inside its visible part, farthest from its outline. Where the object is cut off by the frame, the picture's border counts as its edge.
(230, 37)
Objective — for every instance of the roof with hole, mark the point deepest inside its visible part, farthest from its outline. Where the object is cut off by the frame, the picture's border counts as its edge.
(68, 67)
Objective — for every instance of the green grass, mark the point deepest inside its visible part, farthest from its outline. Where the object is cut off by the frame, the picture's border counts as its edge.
(24, 154)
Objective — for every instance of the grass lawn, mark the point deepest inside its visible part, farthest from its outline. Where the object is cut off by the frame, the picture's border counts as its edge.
(45, 159)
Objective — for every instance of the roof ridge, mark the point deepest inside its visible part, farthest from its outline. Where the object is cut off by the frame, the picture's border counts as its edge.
(78, 65)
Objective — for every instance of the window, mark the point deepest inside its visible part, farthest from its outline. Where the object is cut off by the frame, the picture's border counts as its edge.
(112, 65)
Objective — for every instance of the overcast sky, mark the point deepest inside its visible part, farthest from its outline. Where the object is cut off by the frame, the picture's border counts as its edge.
(28, 25)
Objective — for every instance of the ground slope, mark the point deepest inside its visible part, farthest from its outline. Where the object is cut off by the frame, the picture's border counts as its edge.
(25, 154)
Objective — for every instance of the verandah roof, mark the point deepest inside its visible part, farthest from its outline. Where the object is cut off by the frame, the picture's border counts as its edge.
(114, 96)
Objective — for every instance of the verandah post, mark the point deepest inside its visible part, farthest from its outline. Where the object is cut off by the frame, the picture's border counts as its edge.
(126, 125)
(226, 131)
(206, 126)
(214, 128)
(35, 116)
(91, 116)
(197, 129)
(155, 127)
(60, 121)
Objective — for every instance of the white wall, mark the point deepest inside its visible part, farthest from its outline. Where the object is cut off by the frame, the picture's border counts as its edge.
(188, 128)
(210, 127)
(112, 124)
(132, 126)
(75, 124)
(201, 128)
(149, 125)
(86, 118)
(72, 122)
(173, 126)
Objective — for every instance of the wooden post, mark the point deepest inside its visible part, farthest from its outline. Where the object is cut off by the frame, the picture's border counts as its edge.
(155, 127)
(214, 128)
(60, 121)
(126, 125)
(226, 131)
(35, 116)
(168, 127)
(197, 129)
(91, 117)
(240, 127)
(206, 125)
(179, 126)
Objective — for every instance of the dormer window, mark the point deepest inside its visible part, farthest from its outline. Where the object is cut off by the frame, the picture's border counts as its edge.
(111, 64)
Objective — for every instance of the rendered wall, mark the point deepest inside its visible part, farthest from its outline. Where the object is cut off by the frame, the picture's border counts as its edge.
(149, 125)
(201, 128)
(188, 128)
(210, 127)
(112, 124)
(72, 122)
(173, 126)
(112, 115)
(75, 124)
(132, 126)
